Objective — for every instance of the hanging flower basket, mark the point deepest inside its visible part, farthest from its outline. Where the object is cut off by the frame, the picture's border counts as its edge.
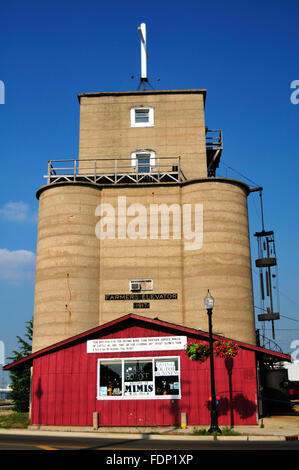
(198, 351)
(201, 351)
(225, 349)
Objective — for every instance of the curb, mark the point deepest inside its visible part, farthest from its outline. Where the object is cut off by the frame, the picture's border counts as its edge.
(152, 437)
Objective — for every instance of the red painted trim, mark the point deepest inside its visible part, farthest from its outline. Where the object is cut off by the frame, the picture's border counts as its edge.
(131, 316)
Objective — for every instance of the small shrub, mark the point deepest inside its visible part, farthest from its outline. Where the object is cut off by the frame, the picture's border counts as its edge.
(225, 431)
(201, 432)
(14, 420)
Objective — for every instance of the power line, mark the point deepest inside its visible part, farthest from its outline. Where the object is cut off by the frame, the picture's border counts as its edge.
(284, 316)
(283, 329)
(289, 318)
(289, 298)
(243, 176)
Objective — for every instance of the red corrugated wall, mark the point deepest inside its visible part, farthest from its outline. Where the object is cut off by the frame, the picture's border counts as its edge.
(64, 389)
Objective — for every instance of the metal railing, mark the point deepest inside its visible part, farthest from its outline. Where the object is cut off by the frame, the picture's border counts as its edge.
(267, 343)
(214, 146)
(214, 138)
(116, 170)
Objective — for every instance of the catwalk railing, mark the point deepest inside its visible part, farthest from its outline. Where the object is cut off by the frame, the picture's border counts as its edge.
(116, 170)
(214, 146)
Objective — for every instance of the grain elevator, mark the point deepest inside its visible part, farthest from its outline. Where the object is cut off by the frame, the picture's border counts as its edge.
(140, 222)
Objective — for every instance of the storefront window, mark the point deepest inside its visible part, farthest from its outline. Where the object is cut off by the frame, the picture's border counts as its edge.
(139, 378)
(166, 376)
(110, 378)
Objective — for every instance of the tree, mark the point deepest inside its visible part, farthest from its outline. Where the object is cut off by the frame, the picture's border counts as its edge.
(20, 378)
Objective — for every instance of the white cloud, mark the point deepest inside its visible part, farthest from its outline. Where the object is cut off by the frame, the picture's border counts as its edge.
(16, 266)
(17, 212)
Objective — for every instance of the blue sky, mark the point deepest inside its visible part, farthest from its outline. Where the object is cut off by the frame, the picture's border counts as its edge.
(244, 53)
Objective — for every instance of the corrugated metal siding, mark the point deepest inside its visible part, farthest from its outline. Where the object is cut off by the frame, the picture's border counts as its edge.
(64, 390)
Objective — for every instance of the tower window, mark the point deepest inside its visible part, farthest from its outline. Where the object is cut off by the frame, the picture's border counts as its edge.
(143, 160)
(142, 116)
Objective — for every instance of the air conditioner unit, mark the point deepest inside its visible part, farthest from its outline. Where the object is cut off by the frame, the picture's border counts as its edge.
(135, 286)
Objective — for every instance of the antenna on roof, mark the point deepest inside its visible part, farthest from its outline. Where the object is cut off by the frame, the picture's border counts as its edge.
(144, 57)
(144, 53)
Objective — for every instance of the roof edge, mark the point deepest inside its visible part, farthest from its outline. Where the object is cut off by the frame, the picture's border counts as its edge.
(202, 91)
(133, 316)
(181, 184)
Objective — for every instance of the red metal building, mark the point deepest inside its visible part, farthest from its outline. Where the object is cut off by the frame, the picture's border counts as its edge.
(134, 371)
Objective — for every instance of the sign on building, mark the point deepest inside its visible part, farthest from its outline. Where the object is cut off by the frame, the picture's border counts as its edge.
(153, 343)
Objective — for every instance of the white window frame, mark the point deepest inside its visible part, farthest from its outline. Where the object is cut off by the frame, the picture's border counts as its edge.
(151, 153)
(136, 397)
(150, 122)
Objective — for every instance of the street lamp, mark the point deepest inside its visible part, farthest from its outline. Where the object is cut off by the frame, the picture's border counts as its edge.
(209, 304)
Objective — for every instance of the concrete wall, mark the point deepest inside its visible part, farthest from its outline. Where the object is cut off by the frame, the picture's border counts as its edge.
(76, 270)
(67, 268)
(179, 127)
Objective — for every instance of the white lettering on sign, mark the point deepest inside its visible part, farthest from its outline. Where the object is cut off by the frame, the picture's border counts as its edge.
(153, 343)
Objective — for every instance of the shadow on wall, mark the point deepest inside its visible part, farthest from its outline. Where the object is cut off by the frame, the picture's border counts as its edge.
(169, 412)
(175, 411)
(39, 393)
(244, 407)
(238, 402)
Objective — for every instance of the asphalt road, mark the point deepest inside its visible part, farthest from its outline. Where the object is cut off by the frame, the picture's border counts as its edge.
(109, 445)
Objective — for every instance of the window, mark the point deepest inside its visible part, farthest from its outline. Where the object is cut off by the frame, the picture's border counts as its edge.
(166, 376)
(143, 160)
(133, 378)
(138, 378)
(110, 378)
(142, 116)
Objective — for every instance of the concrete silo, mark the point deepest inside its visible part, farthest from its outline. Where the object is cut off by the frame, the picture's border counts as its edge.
(142, 152)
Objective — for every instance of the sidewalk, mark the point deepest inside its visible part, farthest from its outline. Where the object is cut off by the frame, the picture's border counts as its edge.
(274, 428)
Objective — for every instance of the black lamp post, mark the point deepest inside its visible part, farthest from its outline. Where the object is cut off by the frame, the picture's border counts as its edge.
(209, 304)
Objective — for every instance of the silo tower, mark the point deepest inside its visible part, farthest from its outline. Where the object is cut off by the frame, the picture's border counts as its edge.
(141, 223)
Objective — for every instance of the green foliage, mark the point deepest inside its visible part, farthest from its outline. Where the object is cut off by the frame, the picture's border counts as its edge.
(14, 420)
(225, 431)
(201, 351)
(225, 349)
(20, 378)
(201, 432)
(198, 351)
